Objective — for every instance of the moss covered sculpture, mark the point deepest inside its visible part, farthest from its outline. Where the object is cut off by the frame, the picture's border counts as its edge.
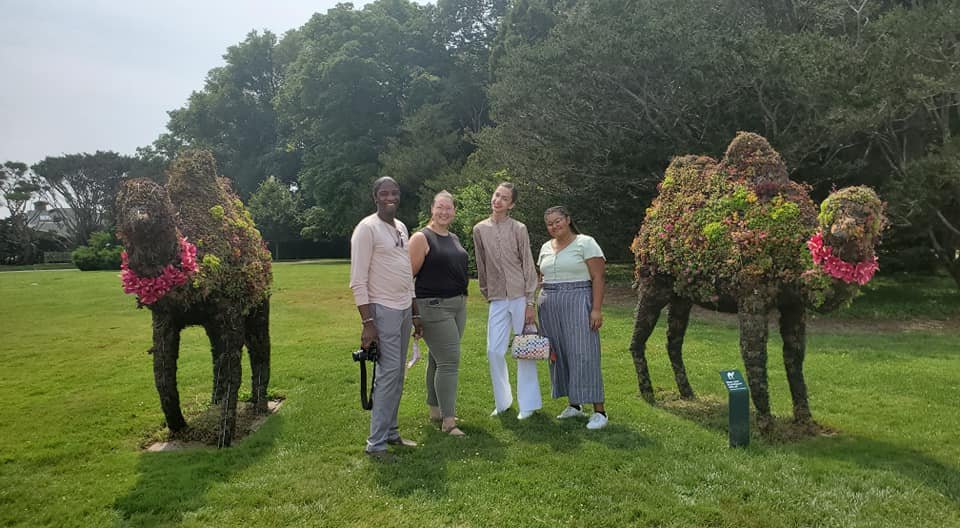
(738, 236)
(194, 257)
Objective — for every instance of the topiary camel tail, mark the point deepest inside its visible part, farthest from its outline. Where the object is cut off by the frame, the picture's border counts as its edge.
(193, 257)
(738, 236)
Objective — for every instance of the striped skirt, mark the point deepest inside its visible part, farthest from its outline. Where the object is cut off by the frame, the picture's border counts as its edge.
(565, 319)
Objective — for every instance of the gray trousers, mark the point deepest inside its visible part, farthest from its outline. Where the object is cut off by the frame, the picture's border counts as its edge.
(444, 321)
(394, 328)
(565, 319)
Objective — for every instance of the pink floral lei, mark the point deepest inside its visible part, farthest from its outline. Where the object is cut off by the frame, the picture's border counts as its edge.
(823, 256)
(151, 289)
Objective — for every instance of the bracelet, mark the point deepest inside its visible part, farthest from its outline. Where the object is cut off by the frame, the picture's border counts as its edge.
(530, 303)
(415, 316)
(365, 321)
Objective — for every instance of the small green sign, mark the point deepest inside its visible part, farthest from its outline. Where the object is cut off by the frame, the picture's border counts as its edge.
(738, 394)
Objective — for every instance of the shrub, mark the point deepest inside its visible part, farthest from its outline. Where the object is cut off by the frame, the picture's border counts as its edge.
(101, 253)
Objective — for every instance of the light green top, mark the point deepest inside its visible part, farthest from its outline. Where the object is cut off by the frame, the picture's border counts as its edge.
(570, 264)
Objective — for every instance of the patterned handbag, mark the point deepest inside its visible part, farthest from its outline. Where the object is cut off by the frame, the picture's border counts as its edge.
(530, 344)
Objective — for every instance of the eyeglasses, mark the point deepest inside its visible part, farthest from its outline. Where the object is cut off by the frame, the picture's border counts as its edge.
(399, 243)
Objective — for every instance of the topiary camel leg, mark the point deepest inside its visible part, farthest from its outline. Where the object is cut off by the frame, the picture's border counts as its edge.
(213, 334)
(257, 338)
(678, 316)
(228, 367)
(166, 350)
(652, 297)
(752, 316)
(793, 330)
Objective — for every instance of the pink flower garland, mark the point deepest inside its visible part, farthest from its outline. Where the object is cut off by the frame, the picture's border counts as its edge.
(823, 256)
(150, 289)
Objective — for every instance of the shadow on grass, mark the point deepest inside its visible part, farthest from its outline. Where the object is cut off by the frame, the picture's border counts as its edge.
(426, 467)
(881, 456)
(172, 484)
(568, 435)
(713, 413)
(822, 441)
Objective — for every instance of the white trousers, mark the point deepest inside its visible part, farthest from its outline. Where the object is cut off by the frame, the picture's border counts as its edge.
(506, 315)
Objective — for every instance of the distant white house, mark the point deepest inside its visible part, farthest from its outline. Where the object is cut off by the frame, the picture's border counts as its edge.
(50, 220)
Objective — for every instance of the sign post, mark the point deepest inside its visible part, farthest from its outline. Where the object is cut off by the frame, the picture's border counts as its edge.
(739, 404)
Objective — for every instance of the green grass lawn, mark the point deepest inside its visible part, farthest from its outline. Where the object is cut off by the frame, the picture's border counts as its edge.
(77, 400)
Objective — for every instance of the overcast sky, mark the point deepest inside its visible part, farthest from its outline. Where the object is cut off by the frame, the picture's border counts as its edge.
(87, 75)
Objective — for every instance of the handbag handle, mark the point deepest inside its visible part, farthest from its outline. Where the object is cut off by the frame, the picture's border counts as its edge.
(527, 330)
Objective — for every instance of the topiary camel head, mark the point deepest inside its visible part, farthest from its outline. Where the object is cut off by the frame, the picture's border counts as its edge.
(146, 226)
(843, 248)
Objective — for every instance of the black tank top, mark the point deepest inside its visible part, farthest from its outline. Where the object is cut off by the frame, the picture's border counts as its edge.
(444, 270)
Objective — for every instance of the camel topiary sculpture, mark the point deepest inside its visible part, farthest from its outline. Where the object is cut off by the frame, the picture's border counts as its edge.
(193, 257)
(739, 236)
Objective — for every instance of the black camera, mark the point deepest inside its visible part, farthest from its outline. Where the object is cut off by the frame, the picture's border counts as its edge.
(370, 354)
(362, 356)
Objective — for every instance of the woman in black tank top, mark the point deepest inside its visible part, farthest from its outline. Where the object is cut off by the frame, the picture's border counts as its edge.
(439, 265)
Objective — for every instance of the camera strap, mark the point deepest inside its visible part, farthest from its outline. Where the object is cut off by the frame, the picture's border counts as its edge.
(365, 401)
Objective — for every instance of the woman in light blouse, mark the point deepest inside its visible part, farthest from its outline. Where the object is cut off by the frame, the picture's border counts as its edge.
(508, 280)
(571, 266)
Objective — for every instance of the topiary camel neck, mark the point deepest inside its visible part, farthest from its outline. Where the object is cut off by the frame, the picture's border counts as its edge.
(738, 236)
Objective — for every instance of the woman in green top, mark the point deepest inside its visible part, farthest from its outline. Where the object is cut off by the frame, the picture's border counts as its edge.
(571, 266)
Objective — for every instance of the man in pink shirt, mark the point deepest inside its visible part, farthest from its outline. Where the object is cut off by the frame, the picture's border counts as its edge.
(382, 285)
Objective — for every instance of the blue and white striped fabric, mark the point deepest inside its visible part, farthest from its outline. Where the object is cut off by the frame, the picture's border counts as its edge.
(565, 318)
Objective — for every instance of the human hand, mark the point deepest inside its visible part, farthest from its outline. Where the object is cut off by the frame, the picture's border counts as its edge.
(529, 316)
(417, 328)
(369, 335)
(596, 319)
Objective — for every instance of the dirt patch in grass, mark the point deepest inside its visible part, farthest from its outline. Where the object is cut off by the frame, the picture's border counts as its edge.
(202, 428)
(626, 297)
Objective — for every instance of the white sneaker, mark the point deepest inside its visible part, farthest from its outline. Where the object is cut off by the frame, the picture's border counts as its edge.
(525, 414)
(597, 421)
(497, 412)
(570, 412)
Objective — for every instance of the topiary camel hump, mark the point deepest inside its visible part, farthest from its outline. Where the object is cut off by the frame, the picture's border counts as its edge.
(194, 257)
(739, 236)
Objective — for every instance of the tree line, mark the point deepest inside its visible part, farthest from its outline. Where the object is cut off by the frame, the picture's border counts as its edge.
(583, 103)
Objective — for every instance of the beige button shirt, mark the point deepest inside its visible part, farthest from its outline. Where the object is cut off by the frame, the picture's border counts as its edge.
(505, 265)
(380, 264)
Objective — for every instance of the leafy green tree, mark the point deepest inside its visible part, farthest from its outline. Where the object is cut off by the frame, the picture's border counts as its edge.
(526, 23)
(18, 188)
(276, 212)
(926, 199)
(233, 115)
(591, 99)
(900, 117)
(590, 115)
(357, 75)
(446, 108)
(87, 184)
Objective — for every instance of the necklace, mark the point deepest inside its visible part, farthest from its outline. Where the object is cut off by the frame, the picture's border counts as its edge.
(151, 289)
(823, 256)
